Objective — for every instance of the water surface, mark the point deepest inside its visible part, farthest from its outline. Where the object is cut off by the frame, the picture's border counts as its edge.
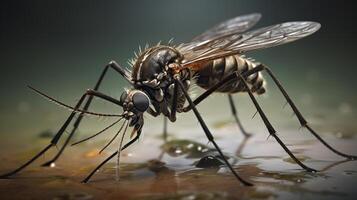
(154, 169)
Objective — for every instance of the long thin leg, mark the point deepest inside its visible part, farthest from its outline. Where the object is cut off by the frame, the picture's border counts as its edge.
(271, 129)
(115, 136)
(112, 65)
(208, 133)
(235, 115)
(174, 104)
(221, 83)
(98, 167)
(165, 129)
(265, 120)
(98, 133)
(55, 139)
(301, 119)
(241, 146)
(27, 163)
(173, 110)
(53, 142)
(110, 157)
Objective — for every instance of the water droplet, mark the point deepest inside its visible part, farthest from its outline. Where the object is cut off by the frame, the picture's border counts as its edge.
(199, 148)
(209, 161)
(189, 146)
(350, 172)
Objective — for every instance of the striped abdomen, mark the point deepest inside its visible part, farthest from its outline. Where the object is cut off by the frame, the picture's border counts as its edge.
(216, 70)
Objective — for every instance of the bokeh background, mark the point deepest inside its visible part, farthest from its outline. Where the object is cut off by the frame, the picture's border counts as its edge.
(61, 47)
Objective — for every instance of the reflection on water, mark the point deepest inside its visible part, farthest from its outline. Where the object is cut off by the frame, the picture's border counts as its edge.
(72, 196)
(187, 169)
(189, 149)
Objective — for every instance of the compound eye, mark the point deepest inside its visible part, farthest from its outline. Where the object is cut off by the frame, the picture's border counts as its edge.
(141, 101)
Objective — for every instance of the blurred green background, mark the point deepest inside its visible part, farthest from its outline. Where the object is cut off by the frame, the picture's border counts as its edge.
(61, 47)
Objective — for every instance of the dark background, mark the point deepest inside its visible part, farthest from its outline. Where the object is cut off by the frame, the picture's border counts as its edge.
(61, 46)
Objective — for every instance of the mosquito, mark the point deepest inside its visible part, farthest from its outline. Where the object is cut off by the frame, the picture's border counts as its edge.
(161, 76)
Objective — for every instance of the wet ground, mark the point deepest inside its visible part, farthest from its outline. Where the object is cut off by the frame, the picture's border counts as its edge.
(186, 168)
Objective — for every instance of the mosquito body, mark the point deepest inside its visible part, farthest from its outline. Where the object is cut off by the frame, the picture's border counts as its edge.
(154, 70)
(214, 71)
(161, 76)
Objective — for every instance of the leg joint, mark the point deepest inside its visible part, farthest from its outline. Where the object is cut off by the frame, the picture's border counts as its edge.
(112, 63)
(90, 91)
(172, 118)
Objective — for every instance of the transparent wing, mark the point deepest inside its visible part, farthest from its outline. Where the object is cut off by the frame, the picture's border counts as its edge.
(200, 51)
(238, 24)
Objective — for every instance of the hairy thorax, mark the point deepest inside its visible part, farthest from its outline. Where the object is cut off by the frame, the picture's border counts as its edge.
(152, 74)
